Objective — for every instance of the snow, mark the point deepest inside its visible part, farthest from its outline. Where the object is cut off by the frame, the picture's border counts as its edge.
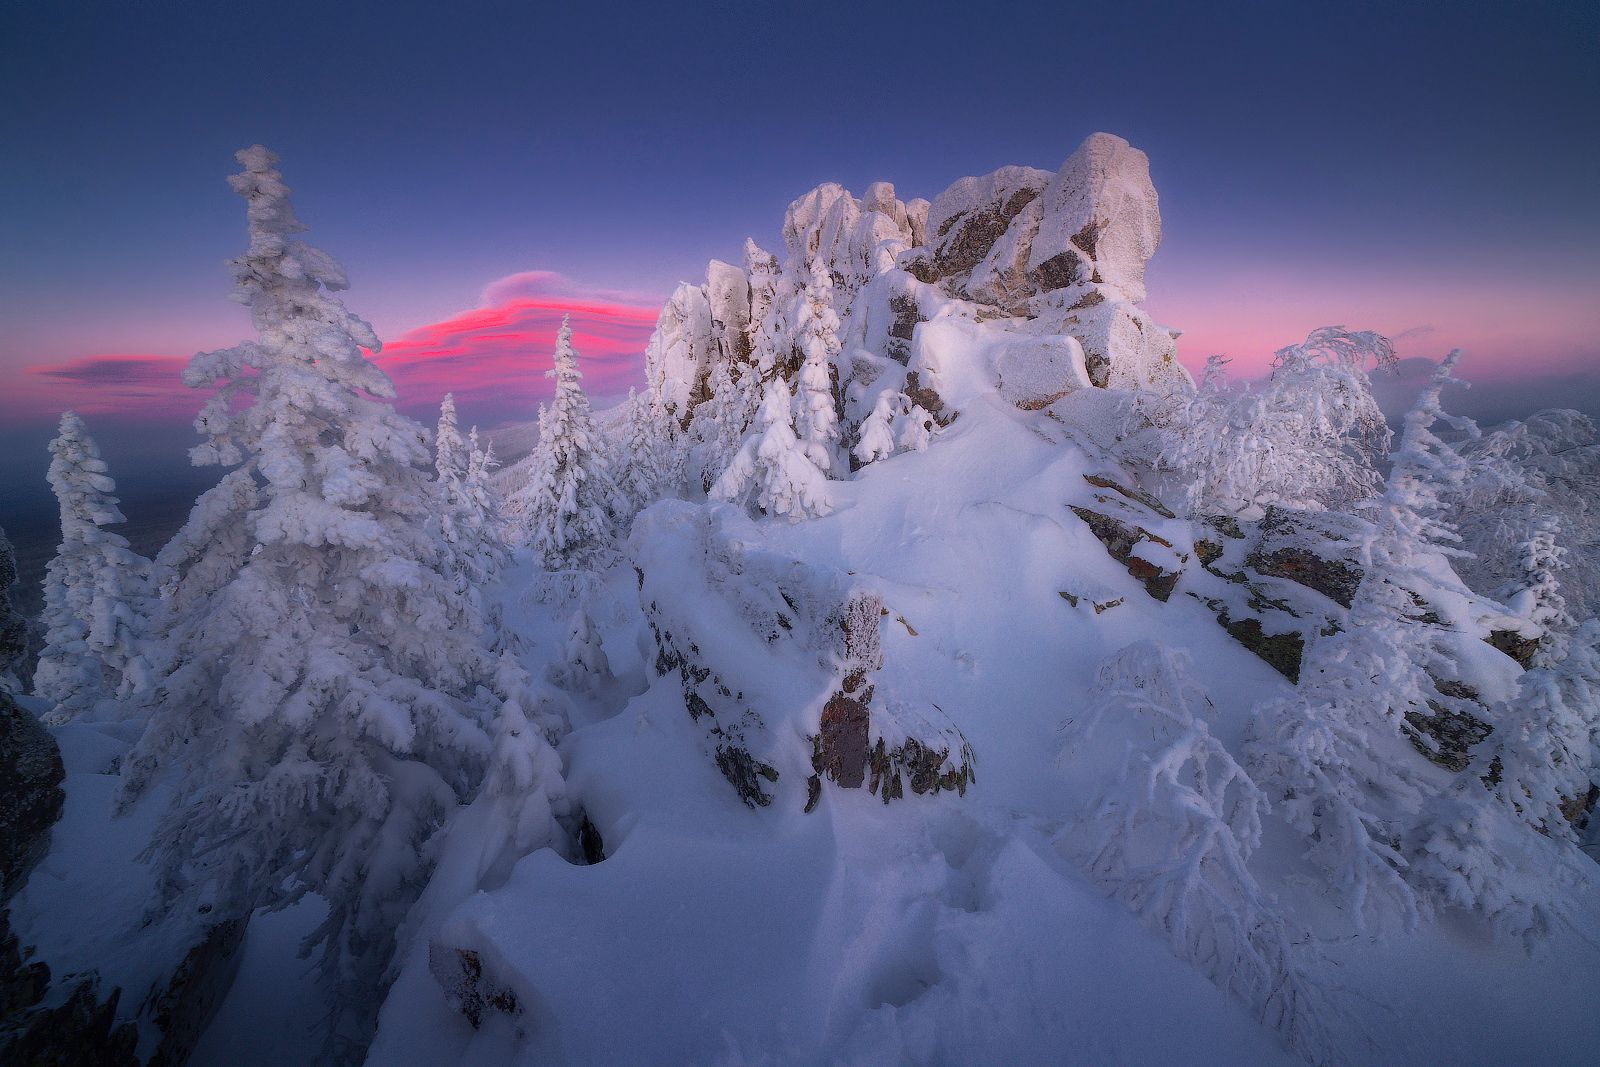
(616, 834)
(941, 928)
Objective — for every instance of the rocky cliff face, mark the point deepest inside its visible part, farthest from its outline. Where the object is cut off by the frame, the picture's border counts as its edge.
(1054, 261)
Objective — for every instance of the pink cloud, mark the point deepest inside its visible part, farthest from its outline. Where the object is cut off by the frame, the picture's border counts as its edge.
(493, 357)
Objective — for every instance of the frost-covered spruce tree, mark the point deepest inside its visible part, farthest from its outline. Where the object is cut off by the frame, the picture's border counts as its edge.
(1334, 752)
(315, 715)
(817, 330)
(13, 627)
(1172, 833)
(877, 432)
(773, 466)
(718, 426)
(768, 321)
(1535, 593)
(640, 477)
(96, 590)
(523, 789)
(485, 497)
(466, 517)
(570, 503)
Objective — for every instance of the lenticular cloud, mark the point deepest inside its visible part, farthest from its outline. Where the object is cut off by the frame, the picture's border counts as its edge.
(491, 356)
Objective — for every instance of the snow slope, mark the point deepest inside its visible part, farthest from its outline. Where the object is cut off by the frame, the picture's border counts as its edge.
(939, 928)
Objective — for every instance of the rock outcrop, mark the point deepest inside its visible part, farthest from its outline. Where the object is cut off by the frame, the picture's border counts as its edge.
(889, 751)
(1054, 261)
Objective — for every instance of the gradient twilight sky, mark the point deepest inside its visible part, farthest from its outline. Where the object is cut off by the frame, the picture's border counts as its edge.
(1429, 170)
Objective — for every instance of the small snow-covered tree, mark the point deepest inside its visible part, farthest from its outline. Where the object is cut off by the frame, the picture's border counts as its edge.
(316, 708)
(13, 627)
(523, 788)
(772, 466)
(1544, 758)
(466, 514)
(1334, 752)
(641, 477)
(877, 432)
(570, 503)
(817, 330)
(1311, 438)
(1509, 851)
(485, 497)
(718, 426)
(769, 330)
(97, 589)
(1173, 830)
(584, 664)
(1535, 593)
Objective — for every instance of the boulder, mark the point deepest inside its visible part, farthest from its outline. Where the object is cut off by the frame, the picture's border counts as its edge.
(967, 220)
(1035, 372)
(1099, 221)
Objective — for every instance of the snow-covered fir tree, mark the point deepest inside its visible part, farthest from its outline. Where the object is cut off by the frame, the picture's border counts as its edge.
(641, 476)
(817, 333)
(13, 627)
(466, 517)
(569, 507)
(1334, 752)
(773, 467)
(97, 589)
(719, 424)
(316, 714)
(768, 319)
(523, 789)
(1535, 593)
(484, 494)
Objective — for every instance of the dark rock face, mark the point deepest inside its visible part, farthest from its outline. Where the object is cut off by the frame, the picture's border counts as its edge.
(1282, 652)
(196, 991)
(843, 750)
(703, 694)
(473, 993)
(1333, 578)
(1302, 547)
(1138, 496)
(1446, 737)
(928, 398)
(591, 846)
(1120, 539)
(844, 737)
(81, 1032)
(906, 317)
(967, 219)
(1516, 646)
(30, 793)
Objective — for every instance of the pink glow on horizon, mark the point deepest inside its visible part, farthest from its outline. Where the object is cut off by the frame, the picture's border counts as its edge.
(1506, 331)
(492, 357)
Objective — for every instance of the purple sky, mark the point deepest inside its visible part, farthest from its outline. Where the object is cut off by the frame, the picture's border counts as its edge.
(1427, 172)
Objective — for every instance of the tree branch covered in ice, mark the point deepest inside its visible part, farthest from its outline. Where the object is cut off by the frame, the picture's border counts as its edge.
(1172, 833)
